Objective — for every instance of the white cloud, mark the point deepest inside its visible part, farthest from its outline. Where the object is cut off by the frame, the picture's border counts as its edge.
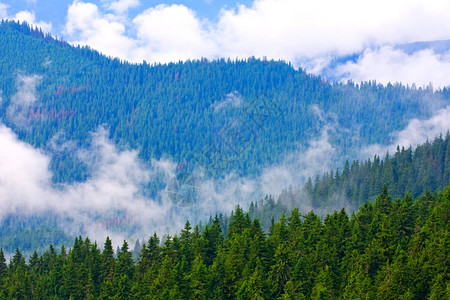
(304, 32)
(293, 29)
(23, 99)
(122, 6)
(25, 186)
(171, 33)
(392, 65)
(25, 15)
(300, 165)
(3, 10)
(23, 171)
(26, 90)
(30, 18)
(232, 99)
(417, 132)
(104, 32)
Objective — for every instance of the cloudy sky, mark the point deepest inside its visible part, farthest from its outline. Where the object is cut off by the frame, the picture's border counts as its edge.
(402, 40)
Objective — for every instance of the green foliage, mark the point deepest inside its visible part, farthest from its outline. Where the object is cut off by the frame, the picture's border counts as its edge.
(31, 233)
(361, 182)
(391, 249)
(149, 107)
(302, 258)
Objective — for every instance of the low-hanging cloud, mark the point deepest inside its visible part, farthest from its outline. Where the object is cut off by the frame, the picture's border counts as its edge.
(23, 99)
(26, 90)
(232, 99)
(416, 132)
(298, 166)
(112, 201)
(113, 191)
(23, 171)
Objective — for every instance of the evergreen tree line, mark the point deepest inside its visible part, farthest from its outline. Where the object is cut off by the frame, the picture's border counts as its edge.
(414, 171)
(427, 167)
(386, 250)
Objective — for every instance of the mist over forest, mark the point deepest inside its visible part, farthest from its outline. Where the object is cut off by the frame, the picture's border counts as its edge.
(207, 174)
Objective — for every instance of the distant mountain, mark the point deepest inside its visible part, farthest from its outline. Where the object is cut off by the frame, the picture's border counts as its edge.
(179, 109)
(439, 47)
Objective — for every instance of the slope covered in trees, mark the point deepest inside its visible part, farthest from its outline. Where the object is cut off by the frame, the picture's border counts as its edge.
(177, 110)
(408, 170)
(425, 168)
(415, 171)
(387, 250)
(31, 233)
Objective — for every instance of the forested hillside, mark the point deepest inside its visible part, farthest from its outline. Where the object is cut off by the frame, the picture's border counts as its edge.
(415, 171)
(387, 250)
(421, 170)
(177, 110)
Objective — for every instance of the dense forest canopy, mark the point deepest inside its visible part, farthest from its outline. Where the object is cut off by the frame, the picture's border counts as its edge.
(415, 171)
(391, 249)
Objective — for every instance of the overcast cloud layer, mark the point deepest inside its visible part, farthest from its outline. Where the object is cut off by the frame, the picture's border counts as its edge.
(307, 33)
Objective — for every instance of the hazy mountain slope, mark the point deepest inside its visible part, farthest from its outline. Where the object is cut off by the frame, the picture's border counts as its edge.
(420, 170)
(389, 249)
(178, 109)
